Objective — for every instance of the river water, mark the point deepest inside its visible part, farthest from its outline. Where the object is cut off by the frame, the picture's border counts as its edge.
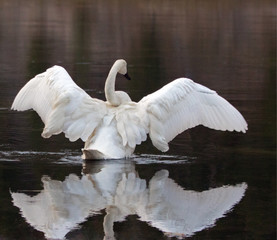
(209, 185)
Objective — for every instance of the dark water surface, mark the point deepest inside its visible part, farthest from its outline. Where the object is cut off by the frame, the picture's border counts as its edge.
(229, 46)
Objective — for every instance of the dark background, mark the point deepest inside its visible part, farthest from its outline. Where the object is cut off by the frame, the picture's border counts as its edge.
(229, 46)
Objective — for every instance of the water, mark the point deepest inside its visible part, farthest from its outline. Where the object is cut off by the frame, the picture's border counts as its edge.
(228, 46)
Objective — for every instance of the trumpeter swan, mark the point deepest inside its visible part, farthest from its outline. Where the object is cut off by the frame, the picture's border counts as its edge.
(112, 129)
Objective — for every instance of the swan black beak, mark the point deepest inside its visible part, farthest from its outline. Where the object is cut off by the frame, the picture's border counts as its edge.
(127, 76)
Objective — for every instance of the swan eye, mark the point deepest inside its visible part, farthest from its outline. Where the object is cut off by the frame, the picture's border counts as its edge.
(127, 76)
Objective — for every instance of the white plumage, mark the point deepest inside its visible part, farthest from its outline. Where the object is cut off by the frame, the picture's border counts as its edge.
(113, 128)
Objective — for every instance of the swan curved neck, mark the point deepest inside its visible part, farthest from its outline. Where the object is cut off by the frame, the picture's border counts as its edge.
(110, 86)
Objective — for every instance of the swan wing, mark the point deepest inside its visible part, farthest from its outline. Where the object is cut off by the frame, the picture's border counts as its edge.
(183, 104)
(180, 212)
(61, 104)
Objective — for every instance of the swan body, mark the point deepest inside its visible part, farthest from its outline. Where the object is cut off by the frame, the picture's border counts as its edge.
(113, 128)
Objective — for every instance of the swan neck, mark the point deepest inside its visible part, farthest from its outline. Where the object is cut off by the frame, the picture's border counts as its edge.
(110, 86)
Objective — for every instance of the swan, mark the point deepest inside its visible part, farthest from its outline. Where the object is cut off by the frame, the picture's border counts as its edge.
(111, 129)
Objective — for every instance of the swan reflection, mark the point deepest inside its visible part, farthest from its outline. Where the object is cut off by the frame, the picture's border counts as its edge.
(116, 187)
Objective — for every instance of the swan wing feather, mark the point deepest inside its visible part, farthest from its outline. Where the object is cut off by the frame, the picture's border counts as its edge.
(131, 124)
(61, 104)
(183, 104)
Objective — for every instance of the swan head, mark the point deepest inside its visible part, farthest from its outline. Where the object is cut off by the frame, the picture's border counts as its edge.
(122, 68)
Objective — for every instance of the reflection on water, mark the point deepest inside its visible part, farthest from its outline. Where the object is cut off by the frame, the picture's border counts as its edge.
(229, 46)
(116, 187)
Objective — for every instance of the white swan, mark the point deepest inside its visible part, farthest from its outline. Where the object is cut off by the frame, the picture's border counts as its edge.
(112, 129)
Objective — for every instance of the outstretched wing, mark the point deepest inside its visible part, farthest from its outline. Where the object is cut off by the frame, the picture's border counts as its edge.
(183, 104)
(61, 104)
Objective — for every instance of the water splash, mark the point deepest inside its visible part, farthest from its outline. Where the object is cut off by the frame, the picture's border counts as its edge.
(161, 159)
